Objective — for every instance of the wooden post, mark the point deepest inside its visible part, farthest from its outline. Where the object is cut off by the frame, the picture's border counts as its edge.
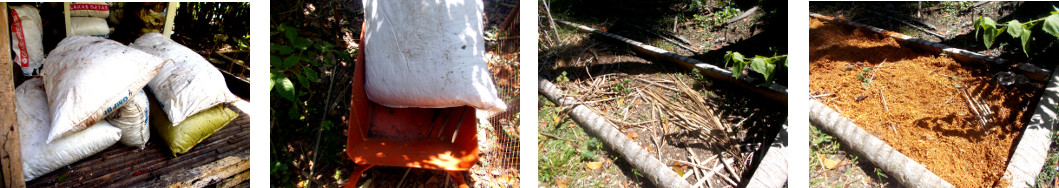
(10, 152)
(66, 17)
(170, 15)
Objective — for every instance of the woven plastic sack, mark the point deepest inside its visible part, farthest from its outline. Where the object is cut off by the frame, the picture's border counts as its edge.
(87, 78)
(26, 38)
(39, 157)
(90, 9)
(188, 85)
(196, 128)
(427, 55)
(132, 118)
(89, 26)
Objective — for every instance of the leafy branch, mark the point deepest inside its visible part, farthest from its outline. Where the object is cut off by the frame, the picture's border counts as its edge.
(298, 60)
(1017, 30)
(760, 64)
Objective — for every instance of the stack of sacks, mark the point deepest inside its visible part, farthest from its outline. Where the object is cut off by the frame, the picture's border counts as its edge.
(87, 78)
(84, 80)
(90, 18)
(34, 121)
(26, 38)
(190, 92)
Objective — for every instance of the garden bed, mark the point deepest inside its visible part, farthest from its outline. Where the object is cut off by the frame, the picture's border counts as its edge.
(913, 99)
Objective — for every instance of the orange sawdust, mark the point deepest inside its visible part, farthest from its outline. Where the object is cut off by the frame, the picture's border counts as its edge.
(924, 115)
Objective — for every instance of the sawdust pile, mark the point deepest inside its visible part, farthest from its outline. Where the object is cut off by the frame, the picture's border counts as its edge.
(913, 101)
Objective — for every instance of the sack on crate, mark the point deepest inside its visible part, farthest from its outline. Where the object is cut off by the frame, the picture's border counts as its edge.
(427, 55)
(26, 38)
(89, 26)
(34, 123)
(186, 86)
(196, 128)
(132, 119)
(87, 78)
(90, 9)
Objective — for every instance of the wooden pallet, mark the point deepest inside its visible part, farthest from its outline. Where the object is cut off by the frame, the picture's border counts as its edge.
(121, 166)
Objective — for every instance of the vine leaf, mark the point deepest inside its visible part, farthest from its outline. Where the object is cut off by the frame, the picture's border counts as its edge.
(1015, 28)
(1051, 25)
(1025, 38)
(737, 58)
(977, 26)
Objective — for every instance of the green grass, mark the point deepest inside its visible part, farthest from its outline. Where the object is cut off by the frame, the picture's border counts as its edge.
(1050, 170)
(564, 159)
(822, 145)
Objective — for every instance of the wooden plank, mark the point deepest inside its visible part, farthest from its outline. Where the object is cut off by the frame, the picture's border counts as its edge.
(10, 153)
(140, 168)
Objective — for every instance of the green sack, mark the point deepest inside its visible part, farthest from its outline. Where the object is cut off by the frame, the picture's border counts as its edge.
(192, 130)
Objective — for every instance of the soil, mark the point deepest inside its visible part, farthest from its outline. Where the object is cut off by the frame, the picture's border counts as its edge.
(914, 101)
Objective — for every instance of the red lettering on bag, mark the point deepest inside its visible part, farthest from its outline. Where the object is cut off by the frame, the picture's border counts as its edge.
(23, 57)
(95, 7)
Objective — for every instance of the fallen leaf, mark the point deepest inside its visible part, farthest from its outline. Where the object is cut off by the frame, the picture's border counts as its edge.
(621, 101)
(594, 165)
(560, 183)
(632, 135)
(678, 170)
(830, 164)
(556, 119)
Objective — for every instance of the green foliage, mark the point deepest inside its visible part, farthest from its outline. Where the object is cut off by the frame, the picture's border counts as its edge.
(880, 174)
(295, 84)
(955, 6)
(620, 87)
(298, 59)
(760, 64)
(704, 19)
(562, 78)
(864, 80)
(1017, 30)
(1050, 171)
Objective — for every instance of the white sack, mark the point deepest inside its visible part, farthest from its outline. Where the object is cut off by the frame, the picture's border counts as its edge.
(90, 9)
(132, 118)
(25, 38)
(39, 157)
(187, 85)
(89, 26)
(427, 55)
(87, 78)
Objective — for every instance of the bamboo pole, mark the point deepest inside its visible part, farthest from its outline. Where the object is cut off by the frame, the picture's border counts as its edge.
(1032, 150)
(594, 124)
(771, 91)
(772, 171)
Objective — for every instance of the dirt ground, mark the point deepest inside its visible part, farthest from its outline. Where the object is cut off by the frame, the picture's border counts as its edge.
(638, 93)
(916, 93)
(953, 21)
